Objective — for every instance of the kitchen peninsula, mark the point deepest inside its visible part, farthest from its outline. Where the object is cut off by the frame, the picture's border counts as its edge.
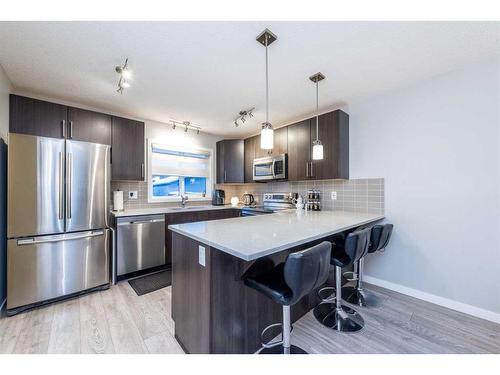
(214, 312)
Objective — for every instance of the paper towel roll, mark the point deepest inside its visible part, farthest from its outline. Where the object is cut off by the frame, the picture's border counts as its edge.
(118, 200)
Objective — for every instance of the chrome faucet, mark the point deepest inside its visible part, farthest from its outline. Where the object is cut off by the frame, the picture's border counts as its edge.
(184, 199)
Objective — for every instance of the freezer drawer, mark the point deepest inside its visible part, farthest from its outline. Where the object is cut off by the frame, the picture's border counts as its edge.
(42, 268)
(140, 243)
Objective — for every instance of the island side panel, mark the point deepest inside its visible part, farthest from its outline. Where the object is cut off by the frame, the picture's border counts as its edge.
(190, 295)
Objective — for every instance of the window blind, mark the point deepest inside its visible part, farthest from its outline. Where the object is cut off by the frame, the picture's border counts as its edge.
(171, 161)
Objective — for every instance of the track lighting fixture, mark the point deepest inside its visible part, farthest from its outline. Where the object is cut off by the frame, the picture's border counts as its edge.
(125, 76)
(186, 125)
(242, 116)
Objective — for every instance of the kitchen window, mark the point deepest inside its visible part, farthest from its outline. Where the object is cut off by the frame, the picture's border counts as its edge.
(174, 172)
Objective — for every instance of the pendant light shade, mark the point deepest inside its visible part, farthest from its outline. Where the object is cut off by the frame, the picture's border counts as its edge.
(267, 137)
(267, 132)
(317, 150)
(317, 145)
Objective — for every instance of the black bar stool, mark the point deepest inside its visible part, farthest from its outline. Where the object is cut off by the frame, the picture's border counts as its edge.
(287, 283)
(344, 253)
(379, 238)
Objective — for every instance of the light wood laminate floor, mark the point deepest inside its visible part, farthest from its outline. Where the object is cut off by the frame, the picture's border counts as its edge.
(119, 321)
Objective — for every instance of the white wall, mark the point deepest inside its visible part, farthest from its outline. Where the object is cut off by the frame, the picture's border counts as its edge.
(5, 89)
(437, 144)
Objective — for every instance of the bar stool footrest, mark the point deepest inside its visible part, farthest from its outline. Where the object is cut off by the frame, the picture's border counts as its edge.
(350, 276)
(270, 343)
(331, 297)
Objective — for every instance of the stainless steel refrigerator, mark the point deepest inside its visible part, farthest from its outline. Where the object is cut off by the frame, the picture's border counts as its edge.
(57, 219)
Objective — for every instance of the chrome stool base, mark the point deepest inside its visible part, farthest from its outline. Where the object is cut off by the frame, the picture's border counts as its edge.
(344, 319)
(279, 349)
(362, 298)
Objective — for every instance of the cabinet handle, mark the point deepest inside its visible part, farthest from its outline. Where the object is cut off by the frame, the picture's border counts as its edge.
(312, 170)
(142, 170)
(224, 176)
(63, 122)
(307, 169)
(71, 129)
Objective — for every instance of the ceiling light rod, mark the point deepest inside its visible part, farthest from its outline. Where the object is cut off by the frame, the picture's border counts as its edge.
(267, 133)
(186, 125)
(317, 145)
(125, 76)
(242, 116)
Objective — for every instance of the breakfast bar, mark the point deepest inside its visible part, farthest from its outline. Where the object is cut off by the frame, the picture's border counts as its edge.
(213, 310)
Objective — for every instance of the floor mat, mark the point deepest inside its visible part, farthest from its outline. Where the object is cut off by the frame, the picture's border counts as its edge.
(150, 283)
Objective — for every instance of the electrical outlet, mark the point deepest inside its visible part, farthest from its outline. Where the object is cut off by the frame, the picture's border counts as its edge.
(334, 195)
(201, 256)
(132, 194)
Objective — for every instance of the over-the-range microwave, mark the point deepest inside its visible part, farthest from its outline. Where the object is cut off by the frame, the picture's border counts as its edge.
(270, 168)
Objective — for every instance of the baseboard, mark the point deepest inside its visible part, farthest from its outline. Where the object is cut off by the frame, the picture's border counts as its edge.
(441, 301)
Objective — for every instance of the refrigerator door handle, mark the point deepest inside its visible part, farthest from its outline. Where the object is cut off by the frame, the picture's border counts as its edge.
(69, 176)
(61, 186)
(63, 237)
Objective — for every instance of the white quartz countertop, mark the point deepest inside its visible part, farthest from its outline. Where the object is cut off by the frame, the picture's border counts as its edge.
(168, 210)
(252, 237)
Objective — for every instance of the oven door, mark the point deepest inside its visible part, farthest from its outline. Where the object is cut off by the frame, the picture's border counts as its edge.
(263, 169)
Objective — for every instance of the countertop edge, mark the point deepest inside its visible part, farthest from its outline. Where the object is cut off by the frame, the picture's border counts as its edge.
(270, 251)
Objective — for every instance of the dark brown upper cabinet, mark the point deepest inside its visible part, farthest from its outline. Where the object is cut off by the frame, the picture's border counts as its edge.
(249, 146)
(230, 161)
(89, 126)
(333, 130)
(280, 141)
(37, 117)
(127, 147)
(299, 151)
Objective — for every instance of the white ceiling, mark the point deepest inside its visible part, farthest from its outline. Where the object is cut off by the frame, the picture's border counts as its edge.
(205, 72)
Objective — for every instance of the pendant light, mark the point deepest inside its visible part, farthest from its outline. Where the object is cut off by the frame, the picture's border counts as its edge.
(267, 132)
(317, 145)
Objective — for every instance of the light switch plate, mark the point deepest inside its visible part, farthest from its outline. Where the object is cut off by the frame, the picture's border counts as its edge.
(132, 194)
(201, 255)
(334, 195)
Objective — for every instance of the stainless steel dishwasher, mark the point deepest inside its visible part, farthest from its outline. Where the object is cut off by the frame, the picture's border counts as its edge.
(140, 243)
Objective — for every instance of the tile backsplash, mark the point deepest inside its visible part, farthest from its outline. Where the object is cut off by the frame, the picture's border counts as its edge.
(142, 196)
(358, 195)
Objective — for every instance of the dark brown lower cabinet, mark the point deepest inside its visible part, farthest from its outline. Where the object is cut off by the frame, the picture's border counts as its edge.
(191, 217)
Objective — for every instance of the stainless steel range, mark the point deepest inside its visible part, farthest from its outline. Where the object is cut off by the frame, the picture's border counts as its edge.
(272, 203)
